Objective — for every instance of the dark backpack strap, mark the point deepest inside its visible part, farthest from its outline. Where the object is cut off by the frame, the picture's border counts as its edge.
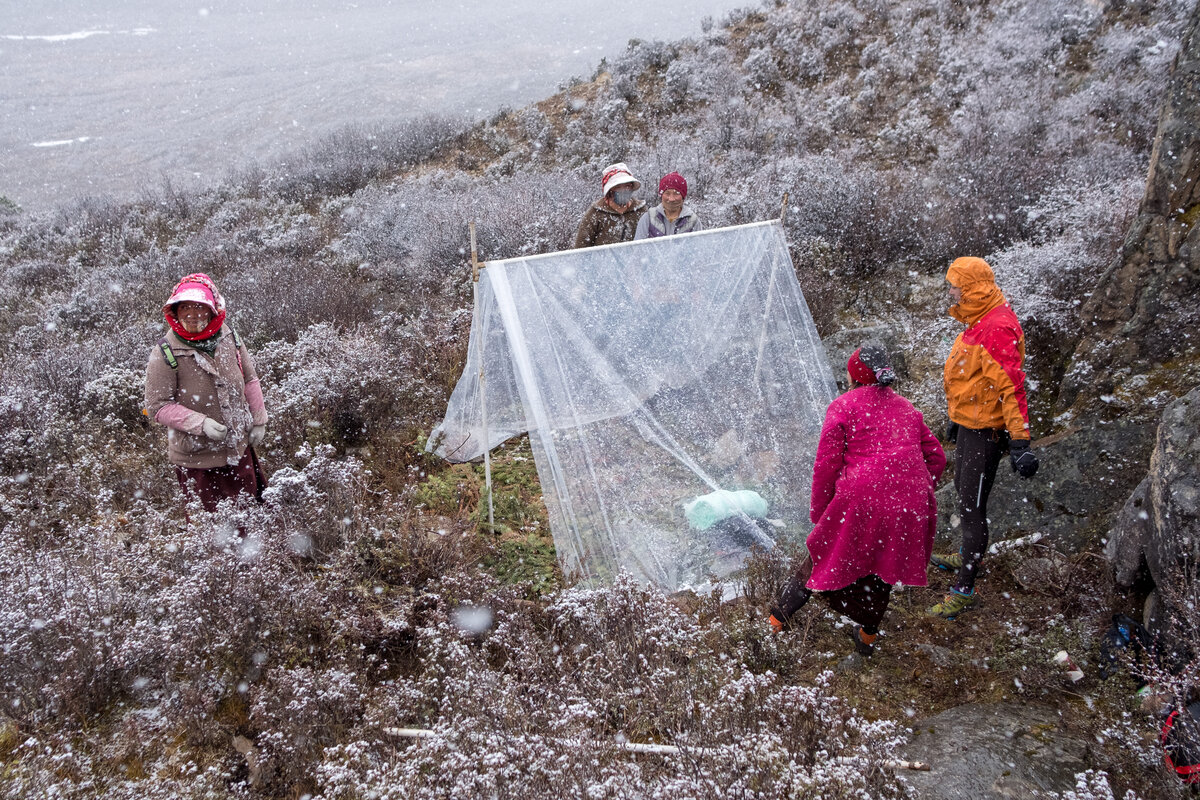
(237, 349)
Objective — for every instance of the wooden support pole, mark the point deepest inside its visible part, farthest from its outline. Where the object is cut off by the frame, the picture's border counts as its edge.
(474, 254)
(476, 266)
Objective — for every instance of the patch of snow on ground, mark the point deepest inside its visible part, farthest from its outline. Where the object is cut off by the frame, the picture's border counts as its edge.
(77, 35)
(61, 142)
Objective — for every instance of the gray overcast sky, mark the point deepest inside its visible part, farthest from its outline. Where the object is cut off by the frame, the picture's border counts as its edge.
(106, 97)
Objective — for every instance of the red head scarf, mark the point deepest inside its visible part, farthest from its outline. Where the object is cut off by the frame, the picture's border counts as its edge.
(195, 288)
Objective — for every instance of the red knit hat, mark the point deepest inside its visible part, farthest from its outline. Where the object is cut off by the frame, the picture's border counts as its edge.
(673, 180)
(862, 372)
(859, 371)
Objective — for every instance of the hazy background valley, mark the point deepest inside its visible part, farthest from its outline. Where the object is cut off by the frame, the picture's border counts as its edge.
(109, 97)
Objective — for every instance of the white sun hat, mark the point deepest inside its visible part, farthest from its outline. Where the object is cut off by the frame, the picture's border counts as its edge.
(616, 175)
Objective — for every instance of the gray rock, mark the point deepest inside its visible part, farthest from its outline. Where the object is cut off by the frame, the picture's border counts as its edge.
(1084, 477)
(940, 656)
(1158, 529)
(1130, 535)
(1004, 750)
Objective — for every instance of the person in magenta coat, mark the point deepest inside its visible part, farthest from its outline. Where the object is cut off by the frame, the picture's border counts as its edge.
(872, 501)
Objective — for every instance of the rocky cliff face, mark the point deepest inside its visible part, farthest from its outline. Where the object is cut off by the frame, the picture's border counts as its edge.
(1140, 344)
(1141, 318)
(1157, 534)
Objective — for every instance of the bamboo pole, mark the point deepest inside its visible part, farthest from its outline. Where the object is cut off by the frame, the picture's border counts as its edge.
(487, 450)
(653, 749)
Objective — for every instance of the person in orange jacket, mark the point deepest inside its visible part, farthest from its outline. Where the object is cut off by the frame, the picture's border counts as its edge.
(985, 395)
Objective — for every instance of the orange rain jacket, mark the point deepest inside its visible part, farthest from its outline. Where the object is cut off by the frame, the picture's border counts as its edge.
(984, 381)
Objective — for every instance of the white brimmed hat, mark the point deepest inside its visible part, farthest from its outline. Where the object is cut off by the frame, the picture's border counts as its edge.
(616, 175)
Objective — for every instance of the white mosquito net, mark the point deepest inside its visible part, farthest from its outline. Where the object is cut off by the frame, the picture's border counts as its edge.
(673, 390)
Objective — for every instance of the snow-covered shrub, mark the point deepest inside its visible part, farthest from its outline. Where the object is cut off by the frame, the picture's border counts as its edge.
(116, 396)
(535, 128)
(350, 388)
(678, 83)
(1093, 785)
(318, 503)
(538, 709)
(298, 712)
(1077, 230)
(348, 159)
(763, 71)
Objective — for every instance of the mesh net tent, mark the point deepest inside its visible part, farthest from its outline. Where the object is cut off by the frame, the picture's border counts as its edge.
(673, 390)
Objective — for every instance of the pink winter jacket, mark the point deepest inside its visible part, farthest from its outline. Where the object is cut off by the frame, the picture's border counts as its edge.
(203, 386)
(872, 494)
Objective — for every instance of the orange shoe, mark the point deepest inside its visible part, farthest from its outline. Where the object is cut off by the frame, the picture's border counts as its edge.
(864, 643)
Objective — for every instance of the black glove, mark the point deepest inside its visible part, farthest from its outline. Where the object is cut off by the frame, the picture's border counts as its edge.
(1022, 458)
(952, 433)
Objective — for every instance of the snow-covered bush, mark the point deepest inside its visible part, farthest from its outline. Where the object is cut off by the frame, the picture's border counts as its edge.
(538, 710)
(1093, 785)
(348, 159)
(349, 388)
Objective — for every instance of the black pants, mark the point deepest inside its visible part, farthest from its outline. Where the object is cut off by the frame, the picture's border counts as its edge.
(977, 455)
(865, 601)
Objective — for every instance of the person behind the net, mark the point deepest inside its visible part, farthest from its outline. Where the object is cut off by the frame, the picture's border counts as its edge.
(614, 217)
(671, 215)
(873, 505)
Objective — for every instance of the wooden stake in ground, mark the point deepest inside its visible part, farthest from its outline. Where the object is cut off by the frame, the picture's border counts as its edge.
(476, 266)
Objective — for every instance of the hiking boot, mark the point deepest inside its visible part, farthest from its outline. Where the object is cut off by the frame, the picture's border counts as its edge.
(864, 644)
(952, 604)
(952, 562)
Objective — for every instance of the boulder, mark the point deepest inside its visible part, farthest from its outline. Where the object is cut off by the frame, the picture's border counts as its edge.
(1084, 477)
(1157, 532)
(1001, 750)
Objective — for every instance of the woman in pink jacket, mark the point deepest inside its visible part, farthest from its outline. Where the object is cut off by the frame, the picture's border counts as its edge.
(872, 501)
(202, 385)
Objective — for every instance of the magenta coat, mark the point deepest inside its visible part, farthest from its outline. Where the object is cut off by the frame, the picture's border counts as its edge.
(872, 493)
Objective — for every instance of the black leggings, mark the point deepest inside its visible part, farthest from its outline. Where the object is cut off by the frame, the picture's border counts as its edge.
(865, 601)
(977, 455)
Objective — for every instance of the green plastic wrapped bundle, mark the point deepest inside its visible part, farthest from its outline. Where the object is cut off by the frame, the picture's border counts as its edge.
(708, 509)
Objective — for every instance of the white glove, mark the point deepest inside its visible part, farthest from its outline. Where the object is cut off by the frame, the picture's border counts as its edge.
(215, 430)
(256, 435)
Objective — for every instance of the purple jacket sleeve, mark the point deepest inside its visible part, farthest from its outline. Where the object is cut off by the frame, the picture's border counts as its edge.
(831, 457)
